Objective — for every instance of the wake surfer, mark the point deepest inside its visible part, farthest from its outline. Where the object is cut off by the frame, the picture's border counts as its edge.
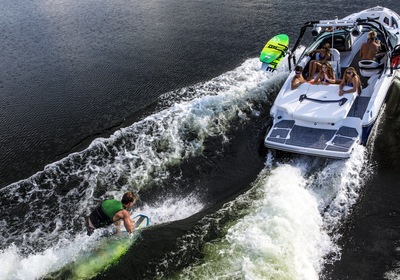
(112, 211)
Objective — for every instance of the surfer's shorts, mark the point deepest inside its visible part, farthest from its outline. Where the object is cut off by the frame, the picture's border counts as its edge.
(99, 218)
(89, 229)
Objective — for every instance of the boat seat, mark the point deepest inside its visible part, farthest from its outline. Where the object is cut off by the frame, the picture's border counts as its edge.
(335, 63)
(369, 68)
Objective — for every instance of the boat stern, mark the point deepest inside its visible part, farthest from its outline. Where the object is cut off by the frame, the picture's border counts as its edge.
(337, 142)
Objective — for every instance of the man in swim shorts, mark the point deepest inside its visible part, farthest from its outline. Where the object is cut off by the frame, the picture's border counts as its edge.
(112, 211)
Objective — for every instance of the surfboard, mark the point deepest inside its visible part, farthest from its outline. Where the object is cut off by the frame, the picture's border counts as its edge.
(141, 221)
(273, 52)
(106, 253)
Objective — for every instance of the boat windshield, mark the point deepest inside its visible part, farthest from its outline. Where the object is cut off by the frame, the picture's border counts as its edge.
(393, 40)
(339, 39)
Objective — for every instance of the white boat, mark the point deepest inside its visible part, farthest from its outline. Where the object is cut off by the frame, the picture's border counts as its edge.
(314, 119)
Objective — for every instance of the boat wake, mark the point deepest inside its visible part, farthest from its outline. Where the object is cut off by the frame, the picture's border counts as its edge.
(285, 226)
(43, 214)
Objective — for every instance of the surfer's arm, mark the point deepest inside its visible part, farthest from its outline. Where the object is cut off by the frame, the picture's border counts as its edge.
(128, 224)
(126, 218)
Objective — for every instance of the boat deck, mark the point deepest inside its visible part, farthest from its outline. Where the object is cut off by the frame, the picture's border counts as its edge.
(304, 137)
(359, 107)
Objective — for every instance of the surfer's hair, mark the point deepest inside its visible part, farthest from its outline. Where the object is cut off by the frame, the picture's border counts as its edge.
(129, 197)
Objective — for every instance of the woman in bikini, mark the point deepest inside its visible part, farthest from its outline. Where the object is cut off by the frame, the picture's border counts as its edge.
(314, 65)
(325, 76)
(350, 79)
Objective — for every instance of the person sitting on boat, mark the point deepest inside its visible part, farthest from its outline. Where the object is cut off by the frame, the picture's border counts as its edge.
(298, 78)
(326, 75)
(112, 211)
(314, 65)
(370, 49)
(352, 80)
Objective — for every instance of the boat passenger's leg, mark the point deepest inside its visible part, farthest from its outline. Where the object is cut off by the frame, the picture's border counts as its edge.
(310, 69)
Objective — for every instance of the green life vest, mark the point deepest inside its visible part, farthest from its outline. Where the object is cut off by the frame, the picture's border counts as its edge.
(111, 207)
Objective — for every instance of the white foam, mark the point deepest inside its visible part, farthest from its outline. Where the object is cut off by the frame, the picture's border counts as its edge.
(394, 273)
(337, 187)
(17, 266)
(172, 209)
(290, 228)
(282, 237)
